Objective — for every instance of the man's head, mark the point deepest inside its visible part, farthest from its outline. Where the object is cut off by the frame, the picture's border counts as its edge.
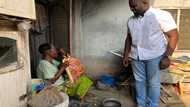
(47, 49)
(138, 7)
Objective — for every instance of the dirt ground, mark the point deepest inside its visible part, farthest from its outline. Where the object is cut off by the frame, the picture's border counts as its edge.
(126, 100)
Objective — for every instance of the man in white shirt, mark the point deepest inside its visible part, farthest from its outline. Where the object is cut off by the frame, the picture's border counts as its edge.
(152, 37)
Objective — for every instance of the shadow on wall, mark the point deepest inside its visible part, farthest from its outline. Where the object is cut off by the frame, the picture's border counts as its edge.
(103, 29)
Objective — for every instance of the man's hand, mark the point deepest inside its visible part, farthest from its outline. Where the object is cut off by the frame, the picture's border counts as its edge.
(172, 42)
(165, 62)
(126, 61)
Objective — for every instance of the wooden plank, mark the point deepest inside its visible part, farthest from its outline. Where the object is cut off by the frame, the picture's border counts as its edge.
(186, 3)
(167, 4)
(185, 87)
(168, 96)
(171, 78)
(2, 3)
(179, 53)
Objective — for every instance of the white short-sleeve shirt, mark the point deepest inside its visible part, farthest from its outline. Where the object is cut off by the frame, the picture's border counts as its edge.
(147, 32)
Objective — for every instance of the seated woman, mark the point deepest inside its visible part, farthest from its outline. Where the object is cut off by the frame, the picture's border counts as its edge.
(51, 69)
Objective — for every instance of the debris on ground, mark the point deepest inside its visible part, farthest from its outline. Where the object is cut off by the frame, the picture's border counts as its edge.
(48, 97)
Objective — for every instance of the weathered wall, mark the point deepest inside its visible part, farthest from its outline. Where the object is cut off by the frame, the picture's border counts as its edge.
(59, 23)
(102, 28)
(184, 31)
(52, 26)
(39, 34)
(17, 73)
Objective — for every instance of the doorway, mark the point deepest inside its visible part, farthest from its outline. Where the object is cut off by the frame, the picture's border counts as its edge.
(51, 26)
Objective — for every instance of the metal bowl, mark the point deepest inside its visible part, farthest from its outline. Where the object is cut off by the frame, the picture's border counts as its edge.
(111, 102)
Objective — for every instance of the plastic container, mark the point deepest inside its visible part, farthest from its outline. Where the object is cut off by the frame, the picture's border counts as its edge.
(35, 82)
(65, 102)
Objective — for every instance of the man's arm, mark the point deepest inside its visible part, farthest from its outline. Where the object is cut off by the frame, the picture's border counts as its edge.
(172, 41)
(127, 49)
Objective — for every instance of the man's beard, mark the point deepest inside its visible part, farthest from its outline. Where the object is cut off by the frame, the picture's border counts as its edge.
(137, 14)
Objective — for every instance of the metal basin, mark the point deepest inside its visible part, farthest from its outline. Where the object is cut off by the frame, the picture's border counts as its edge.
(111, 102)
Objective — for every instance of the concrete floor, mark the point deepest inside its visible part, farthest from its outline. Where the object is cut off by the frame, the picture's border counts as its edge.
(126, 99)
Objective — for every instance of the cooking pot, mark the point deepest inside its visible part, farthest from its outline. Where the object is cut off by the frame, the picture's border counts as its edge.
(111, 102)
